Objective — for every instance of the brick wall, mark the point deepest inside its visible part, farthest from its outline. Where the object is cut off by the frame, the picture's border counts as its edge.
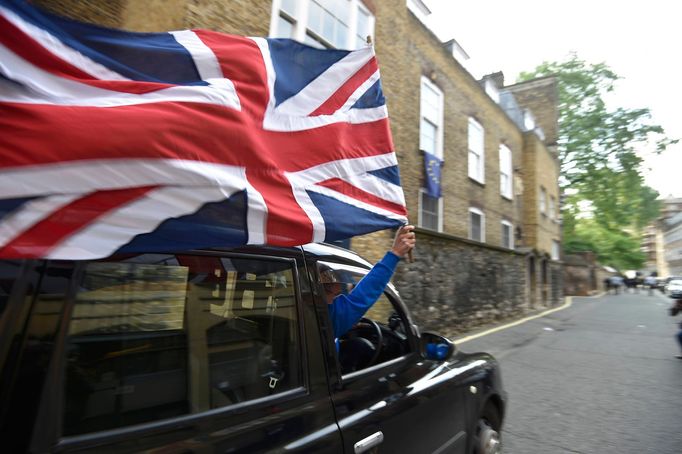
(455, 285)
(403, 62)
(240, 17)
(541, 170)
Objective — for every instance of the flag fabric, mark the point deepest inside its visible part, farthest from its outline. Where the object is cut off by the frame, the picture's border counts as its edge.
(113, 141)
(432, 168)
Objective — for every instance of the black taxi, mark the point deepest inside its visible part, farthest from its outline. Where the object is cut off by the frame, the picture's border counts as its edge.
(227, 350)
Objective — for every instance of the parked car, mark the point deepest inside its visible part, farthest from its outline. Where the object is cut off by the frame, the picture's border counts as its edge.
(226, 351)
(674, 288)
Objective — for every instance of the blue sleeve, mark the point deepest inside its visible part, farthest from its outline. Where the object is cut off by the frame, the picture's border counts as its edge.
(346, 310)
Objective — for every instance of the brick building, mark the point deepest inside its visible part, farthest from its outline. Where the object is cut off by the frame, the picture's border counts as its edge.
(658, 239)
(489, 247)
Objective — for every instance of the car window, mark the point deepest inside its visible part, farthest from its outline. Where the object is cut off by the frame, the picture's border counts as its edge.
(157, 336)
(32, 336)
(386, 315)
(9, 272)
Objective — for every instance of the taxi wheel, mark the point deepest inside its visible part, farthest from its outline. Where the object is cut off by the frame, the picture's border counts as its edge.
(487, 433)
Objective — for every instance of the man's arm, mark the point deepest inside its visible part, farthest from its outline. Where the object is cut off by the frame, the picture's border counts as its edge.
(346, 310)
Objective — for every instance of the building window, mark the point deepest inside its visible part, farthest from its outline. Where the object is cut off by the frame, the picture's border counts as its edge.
(505, 172)
(556, 250)
(430, 211)
(476, 155)
(343, 24)
(507, 235)
(552, 208)
(476, 225)
(542, 201)
(431, 125)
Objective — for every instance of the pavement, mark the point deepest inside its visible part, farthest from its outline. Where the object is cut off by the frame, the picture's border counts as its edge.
(598, 375)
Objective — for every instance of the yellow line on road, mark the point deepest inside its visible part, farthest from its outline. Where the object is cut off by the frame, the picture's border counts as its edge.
(567, 304)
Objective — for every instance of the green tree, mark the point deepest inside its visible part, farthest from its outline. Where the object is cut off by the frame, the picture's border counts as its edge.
(607, 202)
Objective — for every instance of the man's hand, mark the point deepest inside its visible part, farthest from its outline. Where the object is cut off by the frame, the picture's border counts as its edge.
(404, 241)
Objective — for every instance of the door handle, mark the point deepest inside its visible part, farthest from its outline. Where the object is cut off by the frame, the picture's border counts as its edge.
(368, 443)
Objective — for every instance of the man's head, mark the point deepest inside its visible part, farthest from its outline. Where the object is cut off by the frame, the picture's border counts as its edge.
(331, 291)
(331, 284)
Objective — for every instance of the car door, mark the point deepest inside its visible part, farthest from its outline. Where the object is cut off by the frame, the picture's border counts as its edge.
(399, 404)
(196, 352)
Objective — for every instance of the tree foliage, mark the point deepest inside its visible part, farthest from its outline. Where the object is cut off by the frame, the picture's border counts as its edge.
(606, 201)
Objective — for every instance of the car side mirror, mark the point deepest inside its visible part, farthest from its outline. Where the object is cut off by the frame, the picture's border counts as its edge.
(436, 347)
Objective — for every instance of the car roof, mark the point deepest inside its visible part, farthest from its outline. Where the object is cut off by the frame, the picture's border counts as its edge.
(314, 251)
(337, 253)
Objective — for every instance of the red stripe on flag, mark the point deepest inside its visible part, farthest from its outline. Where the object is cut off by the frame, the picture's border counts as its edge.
(40, 239)
(339, 185)
(33, 52)
(287, 223)
(339, 98)
(191, 131)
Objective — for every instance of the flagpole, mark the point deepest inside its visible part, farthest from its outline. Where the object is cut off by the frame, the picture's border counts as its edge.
(410, 259)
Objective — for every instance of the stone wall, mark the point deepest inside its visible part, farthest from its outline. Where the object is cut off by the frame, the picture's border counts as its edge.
(583, 276)
(455, 285)
(556, 270)
(578, 280)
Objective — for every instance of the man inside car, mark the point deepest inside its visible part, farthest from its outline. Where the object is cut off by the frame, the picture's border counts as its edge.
(345, 310)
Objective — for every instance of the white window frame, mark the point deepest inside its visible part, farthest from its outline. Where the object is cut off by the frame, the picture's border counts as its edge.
(511, 235)
(556, 250)
(476, 172)
(436, 121)
(551, 211)
(420, 222)
(542, 200)
(480, 213)
(299, 21)
(506, 168)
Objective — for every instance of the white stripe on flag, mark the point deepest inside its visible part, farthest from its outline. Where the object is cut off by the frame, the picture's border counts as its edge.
(278, 122)
(256, 216)
(108, 174)
(115, 229)
(42, 87)
(357, 203)
(326, 84)
(305, 202)
(344, 168)
(204, 58)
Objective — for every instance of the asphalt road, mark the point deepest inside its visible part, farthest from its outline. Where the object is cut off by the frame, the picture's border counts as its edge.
(598, 377)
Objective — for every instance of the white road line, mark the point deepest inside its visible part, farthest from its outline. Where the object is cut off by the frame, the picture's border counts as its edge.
(566, 305)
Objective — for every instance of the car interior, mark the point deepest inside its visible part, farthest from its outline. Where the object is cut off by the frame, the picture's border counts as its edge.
(379, 336)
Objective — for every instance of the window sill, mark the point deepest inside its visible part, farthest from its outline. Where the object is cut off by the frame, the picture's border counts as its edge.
(478, 182)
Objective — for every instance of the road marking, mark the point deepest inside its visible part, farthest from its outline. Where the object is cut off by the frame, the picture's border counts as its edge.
(566, 305)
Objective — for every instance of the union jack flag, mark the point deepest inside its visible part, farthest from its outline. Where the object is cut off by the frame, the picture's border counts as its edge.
(112, 141)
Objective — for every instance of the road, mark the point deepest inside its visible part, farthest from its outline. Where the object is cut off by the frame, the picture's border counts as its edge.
(598, 377)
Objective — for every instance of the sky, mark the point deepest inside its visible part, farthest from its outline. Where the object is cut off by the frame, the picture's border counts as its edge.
(639, 40)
